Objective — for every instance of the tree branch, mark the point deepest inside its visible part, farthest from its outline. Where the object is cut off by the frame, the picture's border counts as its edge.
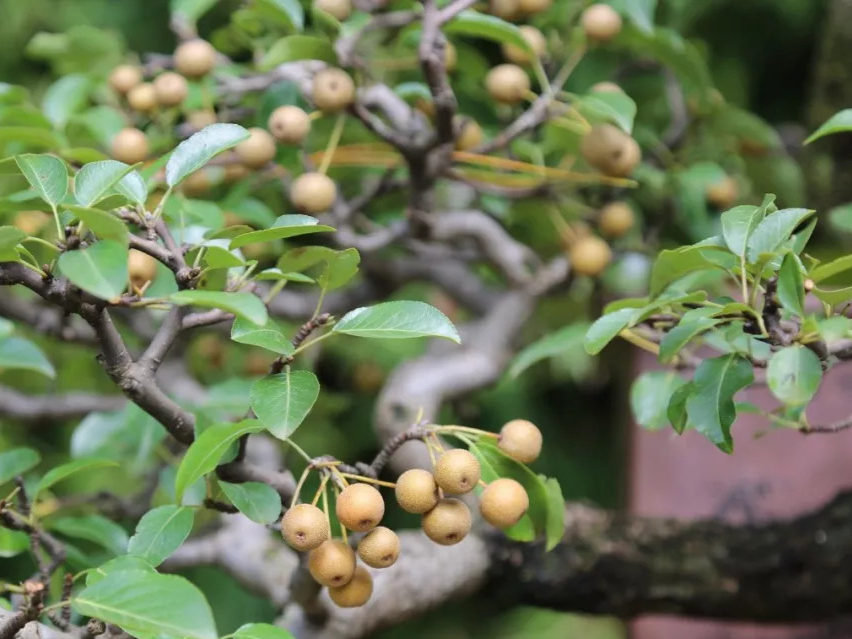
(34, 408)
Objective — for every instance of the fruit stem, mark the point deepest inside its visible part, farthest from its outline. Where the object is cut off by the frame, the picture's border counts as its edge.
(315, 115)
(299, 485)
(368, 480)
(465, 429)
(324, 488)
(340, 476)
(320, 490)
(333, 141)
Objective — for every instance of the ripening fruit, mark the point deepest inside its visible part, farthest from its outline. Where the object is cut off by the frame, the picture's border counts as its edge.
(534, 38)
(356, 593)
(332, 563)
(601, 22)
(521, 440)
(589, 255)
(448, 522)
(457, 471)
(610, 150)
(202, 118)
(195, 58)
(451, 57)
(606, 87)
(340, 9)
(313, 192)
(30, 222)
(507, 83)
(616, 219)
(124, 77)
(196, 183)
(142, 97)
(235, 172)
(304, 527)
(503, 502)
(470, 136)
(504, 9)
(141, 267)
(724, 193)
(417, 491)
(258, 149)
(129, 146)
(332, 90)
(289, 124)
(379, 548)
(530, 7)
(360, 507)
(171, 88)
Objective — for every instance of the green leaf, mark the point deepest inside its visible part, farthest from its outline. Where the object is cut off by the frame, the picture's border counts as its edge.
(47, 174)
(218, 257)
(840, 122)
(17, 353)
(13, 542)
(340, 267)
(261, 631)
(290, 10)
(607, 327)
(122, 563)
(830, 269)
(99, 269)
(555, 522)
(283, 401)
(479, 25)
(64, 471)
(199, 148)
(284, 227)
(245, 305)
(160, 532)
(277, 274)
(641, 12)
(191, 10)
(791, 285)
(16, 462)
(692, 323)
(65, 97)
(710, 406)
(794, 374)
(676, 412)
(103, 224)
(147, 604)
(10, 237)
(737, 226)
(259, 502)
(95, 179)
(840, 217)
(95, 528)
(133, 187)
(671, 265)
(564, 340)
(207, 450)
(834, 296)
(30, 136)
(297, 47)
(618, 108)
(774, 230)
(269, 336)
(397, 320)
(650, 396)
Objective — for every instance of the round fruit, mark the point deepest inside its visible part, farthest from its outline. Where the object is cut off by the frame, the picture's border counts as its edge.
(451, 57)
(171, 88)
(332, 563)
(504, 9)
(124, 77)
(356, 593)
(616, 219)
(417, 491)
(202, 118)
(606, 87)
(289, 124)
(195, 58)
(457, 471)
(142, 97)
(534, 38)
(601, 22)
(507, 83)
(360, 507)
(235, 172)
(332, 90)
(589, 255)
(530, 7)
(723, 194)
(521, 440)
(610, 150)
(313, 192)
(448, 522)
(30, 222)
(129, 146)
(379, 548)
(258, 149)
(141, 267)
(196, 183)
(503, 502)
(340, 9)
(304, 527)
(470, 136)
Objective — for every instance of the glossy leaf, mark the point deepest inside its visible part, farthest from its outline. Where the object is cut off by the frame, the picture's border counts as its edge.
(479, 25)
(607, 327)
(245, 305)
(10, 237)
(261, 631)
(199, 148)
(65, 97)
(283, 401)
(650, 396)
(794, 374)
(618, 108)
(671, 265)
(290, 10)
(16, 462)
(840, 122)
(64, 471)
(148, 604)
(259, 502)
(791, 285)
(47, 174)
(397, 320)
(207, 450)
(17, 353)
(101, 223)
(269, 336)
(95, 528)
(99, 269)
(830, 269)
(297, 47)
(121, 563)
(564, 340)
(160, 532)
(133, 187)
(737, 226)
(95, 179)
(840, 217)
(676, 411)
(774, 230)
(284, 227)
(13, 542)
(692, 324)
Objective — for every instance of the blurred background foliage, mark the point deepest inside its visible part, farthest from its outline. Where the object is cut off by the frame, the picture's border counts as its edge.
(761, 54)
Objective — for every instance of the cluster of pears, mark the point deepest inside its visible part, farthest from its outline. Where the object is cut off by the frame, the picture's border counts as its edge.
(445, 520)
(590, 254)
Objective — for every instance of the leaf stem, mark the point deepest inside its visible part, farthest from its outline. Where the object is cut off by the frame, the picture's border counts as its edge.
(368, 480)
(299, 485)
(333, 141)
(305, 345)
(59, 229)
(299, 450)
